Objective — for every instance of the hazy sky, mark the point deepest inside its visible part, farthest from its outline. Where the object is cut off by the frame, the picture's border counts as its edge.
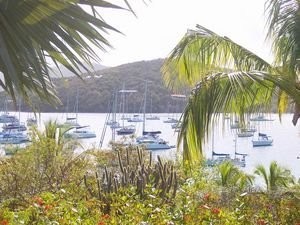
(162, 23)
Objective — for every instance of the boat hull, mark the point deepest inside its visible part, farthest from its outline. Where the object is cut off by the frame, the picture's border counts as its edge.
(259, 143)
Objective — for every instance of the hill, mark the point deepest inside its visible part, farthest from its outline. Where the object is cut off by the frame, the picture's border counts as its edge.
(67, 73)
(95, 90)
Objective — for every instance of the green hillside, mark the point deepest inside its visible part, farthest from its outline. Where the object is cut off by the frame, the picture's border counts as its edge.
(95, 90)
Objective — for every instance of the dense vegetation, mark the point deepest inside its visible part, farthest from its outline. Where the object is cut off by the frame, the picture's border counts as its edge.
(95, 90)
(47, 183)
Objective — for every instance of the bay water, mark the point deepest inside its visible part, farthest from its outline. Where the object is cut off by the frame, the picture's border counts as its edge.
(285, 149)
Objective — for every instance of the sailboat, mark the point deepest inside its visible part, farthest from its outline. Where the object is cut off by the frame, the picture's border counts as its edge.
(239, 158)
(15, 126)
(150, 139)
(218, 158)
(151, 116)
(77, 131)
(113, 123)
(125, 130)
(13, 132)
(5, 117)
(176, 97)
(260, 118)
(71, 121)
(81, 132)
(31, 120)
(262, 140)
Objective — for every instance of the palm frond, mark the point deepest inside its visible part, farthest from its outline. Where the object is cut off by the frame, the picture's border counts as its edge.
(284, 29)
(202, 52)
(239, 93)
(34, 33)
(261, 171)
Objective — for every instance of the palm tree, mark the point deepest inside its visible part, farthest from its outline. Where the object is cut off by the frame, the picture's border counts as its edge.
(277, 176)
(226, 77)
(53, 136)
(230, 175)
(34, 33)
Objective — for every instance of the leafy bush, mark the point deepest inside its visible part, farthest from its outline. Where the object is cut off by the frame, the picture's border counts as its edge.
(47, 183)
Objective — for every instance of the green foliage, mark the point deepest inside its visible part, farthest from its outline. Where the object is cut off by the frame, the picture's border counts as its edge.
(276, 177)
(34, 32)
(48, 163)
(232, 176)
(47, 183)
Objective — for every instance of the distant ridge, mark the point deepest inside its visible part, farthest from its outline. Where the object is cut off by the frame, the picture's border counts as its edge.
(96, 89)
(67, 73)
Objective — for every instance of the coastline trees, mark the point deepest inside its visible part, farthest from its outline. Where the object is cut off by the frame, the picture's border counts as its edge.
(229, 78)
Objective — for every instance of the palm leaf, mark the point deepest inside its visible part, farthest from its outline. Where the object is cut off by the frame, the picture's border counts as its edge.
(261, 171)
(202, 52)
(239, 93)
(35, 32)
(230, 79)
(284, 29)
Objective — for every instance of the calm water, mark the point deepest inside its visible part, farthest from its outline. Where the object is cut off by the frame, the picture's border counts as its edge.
(285, 148)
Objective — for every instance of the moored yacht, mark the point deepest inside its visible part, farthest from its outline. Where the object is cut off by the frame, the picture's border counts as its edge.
(260, 118)
(135, 119)
(245, 134)
(16, 126)
(6, 118)
(126, 130)
(171, 120)
(13, 138)
(153, 142)
(81, 133)
(262, 140)
(152, 117)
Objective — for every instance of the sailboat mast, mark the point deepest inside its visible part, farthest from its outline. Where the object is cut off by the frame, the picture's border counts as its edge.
(76, 106)
(123, 104)
(67, 108)
(20, 101)
(235, 143)
(145, 102)
(114, 115)
(212, 141)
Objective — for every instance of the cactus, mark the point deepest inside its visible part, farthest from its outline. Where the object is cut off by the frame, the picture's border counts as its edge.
(98, 187)
(120, 162)
(139, 155)
(150, 159)
(140, 174)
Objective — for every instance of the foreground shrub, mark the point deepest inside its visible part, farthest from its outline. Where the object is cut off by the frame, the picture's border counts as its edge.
(47, 164)
(48, 184)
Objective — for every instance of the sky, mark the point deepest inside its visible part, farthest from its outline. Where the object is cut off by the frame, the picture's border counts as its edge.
(160, 24)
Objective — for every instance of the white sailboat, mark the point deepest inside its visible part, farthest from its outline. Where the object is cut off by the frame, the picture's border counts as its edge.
(261, 118)
(81, 133)
(125, 130)
(151, 116)
(218, 158)
(150, 139)
(77, 131)
(262, 140)
(72, 121)
(113, 123)
(13, 133)
(5, 117)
